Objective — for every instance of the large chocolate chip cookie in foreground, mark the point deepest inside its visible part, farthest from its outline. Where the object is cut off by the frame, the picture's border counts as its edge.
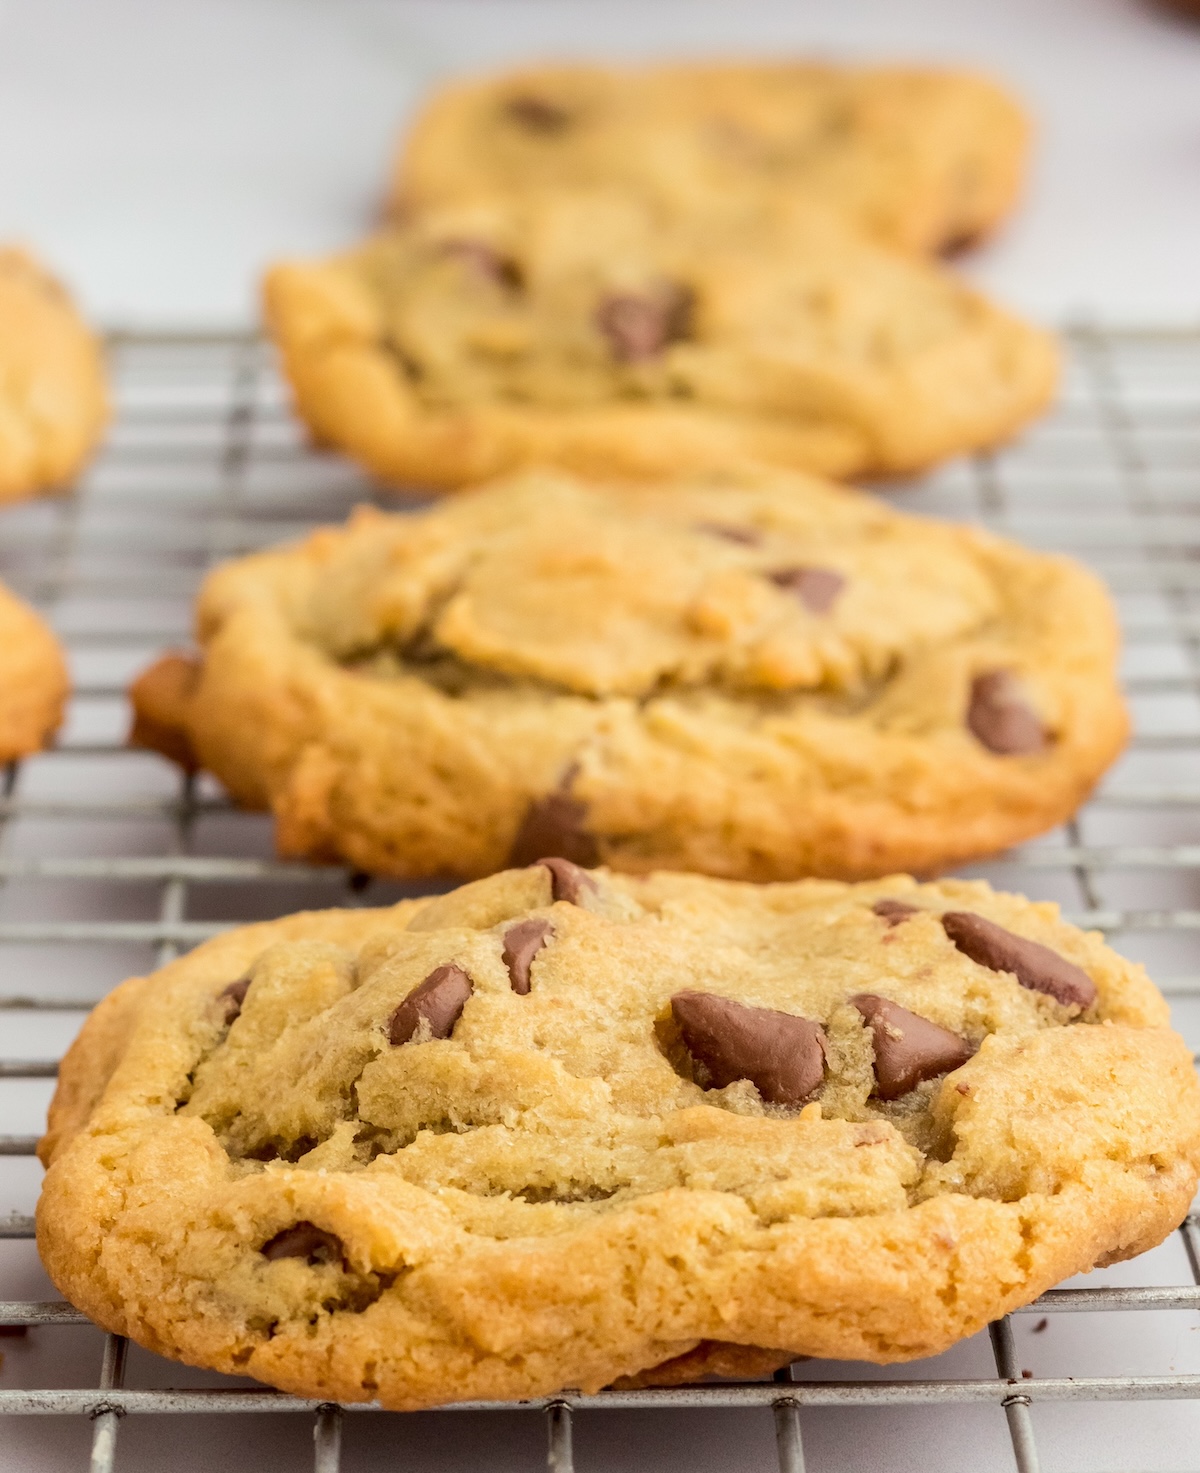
(755, 675)
(561, 1129)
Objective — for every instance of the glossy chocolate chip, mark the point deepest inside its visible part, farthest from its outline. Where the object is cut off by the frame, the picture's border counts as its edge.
(1000, 717)
(439, 1000)
(893, 911)
(746, 536)
(816, 588)
(1035, 966)
(537, 114)
(908, 1048)
(305, 1240)
(555, 824)
(522, 943)
(782, 1055)
(639, 325)
(568, 881)
(484, 260)
(232, 998)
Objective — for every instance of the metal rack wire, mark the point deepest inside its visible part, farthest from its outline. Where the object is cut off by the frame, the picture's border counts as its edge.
(109, 862)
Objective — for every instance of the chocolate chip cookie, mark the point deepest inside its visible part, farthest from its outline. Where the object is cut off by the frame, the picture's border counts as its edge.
(927, 161)
(582, 330)
(759, 675)
(562, 1127)
(33, 679)
(53, 400)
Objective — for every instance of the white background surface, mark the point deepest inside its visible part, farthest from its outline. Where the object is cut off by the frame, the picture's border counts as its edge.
(162, 151)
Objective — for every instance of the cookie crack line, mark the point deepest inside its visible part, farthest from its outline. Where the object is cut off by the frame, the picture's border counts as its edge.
(550, 1127)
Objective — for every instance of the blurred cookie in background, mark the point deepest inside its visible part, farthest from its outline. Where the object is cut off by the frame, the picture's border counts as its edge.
(928, 161)
(53, 396)
(33, 680)
(589, 330)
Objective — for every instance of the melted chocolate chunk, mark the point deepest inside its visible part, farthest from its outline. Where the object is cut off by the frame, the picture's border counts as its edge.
(816, 588)
(232, 998)
(439, 1000)
(568, 881)
(999, 716)
(1035, 966)
(893, 911)
(537, 114)
(485, 261)
(908, 1048)
(305, 1240)
(555, 824)
(522, 943)
(639, 326)
(781, 1055)
(746, 536)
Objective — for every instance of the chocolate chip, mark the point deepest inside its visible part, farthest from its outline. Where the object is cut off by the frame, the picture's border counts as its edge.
(894, 911)
(746, 536)
(555, 824)
(908, 1048)
(639, 326)
(232, 997)
(1000, 717)
(304, 1240)
(567, 881)
(439, 1000)
(485, 261)
(1035, 966)
(537, 114)
(522, 943)
(782, 1055)
(816, 588)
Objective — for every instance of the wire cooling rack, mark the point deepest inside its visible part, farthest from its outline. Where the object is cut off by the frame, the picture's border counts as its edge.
(109, 863)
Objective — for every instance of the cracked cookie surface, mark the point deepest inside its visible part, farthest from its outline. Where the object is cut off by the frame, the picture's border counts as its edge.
(760, 676)
(303, 1154)
(582, 330)
(53, 398)
(33, 679)
(924, 160)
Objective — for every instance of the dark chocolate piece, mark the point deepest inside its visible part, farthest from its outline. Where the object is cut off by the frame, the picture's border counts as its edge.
(568, 881)
(782, 1055)
(1035, 966)
(555, 824)
(305, 1240)
(639, 325)
(816, 588)
(232, 997)
(894, 911)
(522, 943)
(908, 1048)
(439, 1000)
(1000, 717)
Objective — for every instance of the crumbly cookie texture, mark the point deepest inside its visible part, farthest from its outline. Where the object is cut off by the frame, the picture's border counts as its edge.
(582, 330)
(412, 1156)
(924, 160)
(759, 676)
(53, 399)
(33, 679)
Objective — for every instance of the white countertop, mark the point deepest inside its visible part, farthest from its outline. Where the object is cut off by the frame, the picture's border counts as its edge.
(161, 153)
